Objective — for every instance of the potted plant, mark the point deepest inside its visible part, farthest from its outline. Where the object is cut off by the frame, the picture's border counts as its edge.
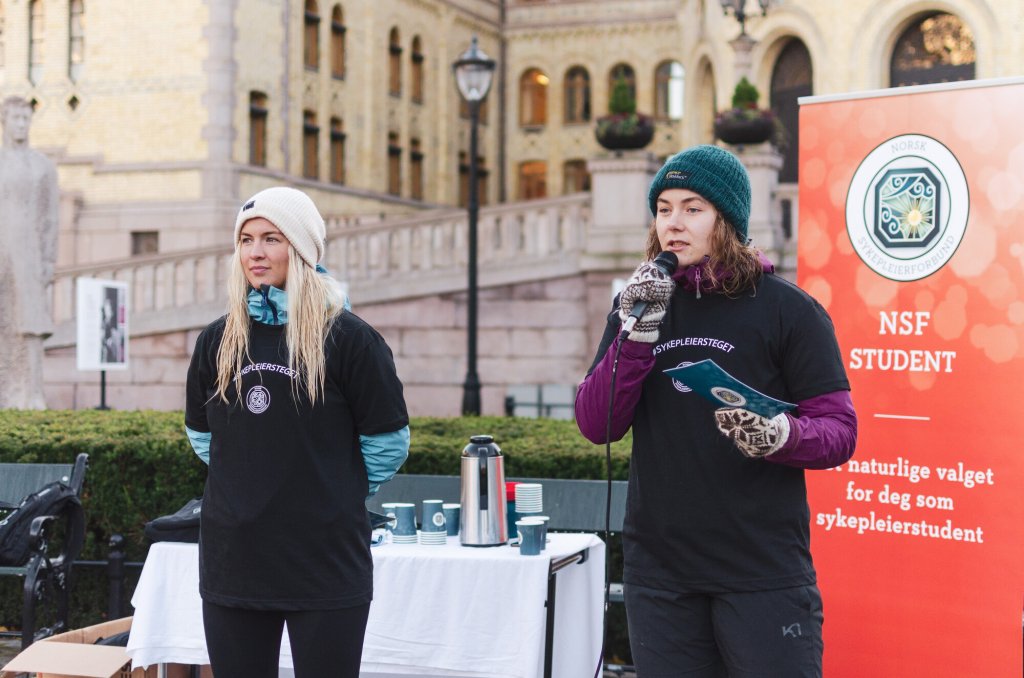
(745, 123)
(623, 128)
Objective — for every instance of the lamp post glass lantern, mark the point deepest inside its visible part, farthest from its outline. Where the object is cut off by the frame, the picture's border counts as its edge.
(738, 8)
(473, 74)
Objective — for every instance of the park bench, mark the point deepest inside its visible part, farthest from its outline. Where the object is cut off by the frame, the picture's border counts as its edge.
(571, 505)
(56, 541)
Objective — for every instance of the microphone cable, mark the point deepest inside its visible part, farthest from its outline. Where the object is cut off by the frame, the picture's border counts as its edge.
(608, 502)
(666, 262)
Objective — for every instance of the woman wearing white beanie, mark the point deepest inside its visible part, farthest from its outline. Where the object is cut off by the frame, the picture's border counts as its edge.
(295, 404)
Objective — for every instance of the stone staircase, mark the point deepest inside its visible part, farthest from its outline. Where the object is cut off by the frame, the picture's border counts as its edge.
(407, 276)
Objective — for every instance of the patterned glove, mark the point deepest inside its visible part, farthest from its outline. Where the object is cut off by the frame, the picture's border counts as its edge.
(648, 283)
(755, 435)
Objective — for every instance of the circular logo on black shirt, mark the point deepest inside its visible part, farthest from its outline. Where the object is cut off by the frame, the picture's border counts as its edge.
(258, 399)
(680, 386)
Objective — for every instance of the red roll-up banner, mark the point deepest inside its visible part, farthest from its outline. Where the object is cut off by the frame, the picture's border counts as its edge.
(911, 234)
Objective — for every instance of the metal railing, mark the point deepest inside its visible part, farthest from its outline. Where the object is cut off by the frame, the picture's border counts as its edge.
(115, 566)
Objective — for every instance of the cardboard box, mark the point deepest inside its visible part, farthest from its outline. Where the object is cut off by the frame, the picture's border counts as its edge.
(74, 655)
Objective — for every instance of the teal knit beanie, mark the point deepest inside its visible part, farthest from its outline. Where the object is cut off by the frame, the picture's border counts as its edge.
(716, 175)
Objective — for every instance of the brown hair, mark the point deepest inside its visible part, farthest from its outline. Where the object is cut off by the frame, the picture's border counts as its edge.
(733, 266)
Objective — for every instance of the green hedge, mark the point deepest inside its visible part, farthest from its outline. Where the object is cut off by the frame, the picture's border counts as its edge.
(141, 467)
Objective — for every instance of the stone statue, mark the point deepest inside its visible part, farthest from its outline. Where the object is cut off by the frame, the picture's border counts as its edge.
(28, 253)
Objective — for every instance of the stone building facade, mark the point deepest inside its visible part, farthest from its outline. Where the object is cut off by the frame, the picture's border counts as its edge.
(163, 116)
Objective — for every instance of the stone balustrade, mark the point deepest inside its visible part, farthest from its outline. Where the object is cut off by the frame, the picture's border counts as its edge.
(378, 260)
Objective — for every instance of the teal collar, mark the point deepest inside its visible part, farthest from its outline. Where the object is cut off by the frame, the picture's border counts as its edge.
(268, 305)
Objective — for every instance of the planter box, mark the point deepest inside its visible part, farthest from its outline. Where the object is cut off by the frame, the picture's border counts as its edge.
(739, 131)
(611, 135)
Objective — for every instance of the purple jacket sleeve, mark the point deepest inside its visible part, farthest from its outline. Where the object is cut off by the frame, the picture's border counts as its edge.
(823, 436)
(635, 362)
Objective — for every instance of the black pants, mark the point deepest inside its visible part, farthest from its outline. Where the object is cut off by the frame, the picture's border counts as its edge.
(246, 643)
(762, 634)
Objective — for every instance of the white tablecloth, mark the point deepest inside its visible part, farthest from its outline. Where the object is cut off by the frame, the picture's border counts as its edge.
(437, 610)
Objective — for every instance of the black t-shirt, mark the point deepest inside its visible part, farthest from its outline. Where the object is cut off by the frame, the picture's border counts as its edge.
(700, 516)
(284, 520)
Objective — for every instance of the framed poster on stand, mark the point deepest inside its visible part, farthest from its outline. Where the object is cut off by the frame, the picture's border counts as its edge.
(101, 328)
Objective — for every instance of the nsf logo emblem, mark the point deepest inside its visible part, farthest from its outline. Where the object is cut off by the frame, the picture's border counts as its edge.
(907, 207)
(257, 400)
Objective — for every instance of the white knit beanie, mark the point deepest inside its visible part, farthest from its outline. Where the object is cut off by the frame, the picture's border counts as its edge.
(294, 214)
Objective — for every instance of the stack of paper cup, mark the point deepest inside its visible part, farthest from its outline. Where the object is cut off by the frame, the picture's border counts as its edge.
(534, 519)
(403, 529)
(433, 538)
(529, 498)
(452, 518)
(432, 529)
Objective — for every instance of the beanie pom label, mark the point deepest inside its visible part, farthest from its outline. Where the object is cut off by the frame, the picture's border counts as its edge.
(676, 175)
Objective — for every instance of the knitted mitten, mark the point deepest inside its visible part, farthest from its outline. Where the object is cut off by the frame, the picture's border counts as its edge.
(650, 284)
(756, 436)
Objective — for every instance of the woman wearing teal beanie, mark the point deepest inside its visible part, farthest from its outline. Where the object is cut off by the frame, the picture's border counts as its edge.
(718, 574)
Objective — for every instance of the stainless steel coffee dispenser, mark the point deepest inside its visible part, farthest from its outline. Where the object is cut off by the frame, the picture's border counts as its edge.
(483, 494)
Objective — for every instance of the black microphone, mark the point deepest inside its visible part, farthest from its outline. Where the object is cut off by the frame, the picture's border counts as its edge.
(666, 262)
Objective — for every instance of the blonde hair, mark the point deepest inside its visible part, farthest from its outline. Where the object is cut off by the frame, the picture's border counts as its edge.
(732, 267)
(314, 301)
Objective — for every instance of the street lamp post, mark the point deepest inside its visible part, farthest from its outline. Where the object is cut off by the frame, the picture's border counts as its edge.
(473, 73)
(743, 44)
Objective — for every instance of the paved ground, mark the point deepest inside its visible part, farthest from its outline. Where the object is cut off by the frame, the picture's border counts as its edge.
(8, 648)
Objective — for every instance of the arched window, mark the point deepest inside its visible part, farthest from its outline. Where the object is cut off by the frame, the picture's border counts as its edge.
(577, 95)
(791, 79)
(625, 72)
(482, 113)
(337, 42)
(481, 179)
(669, 81)
(417, 70)
(258, 129)
(463, 198)
(311, 36)
(76, 39)
(937, 48)
(337, 151)
(533, 98)
(394, 64)
(702, 113)
(394, 164)
(310, 146)
(36, 31)
(533, 182)
(415, 169)
(575, 177)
